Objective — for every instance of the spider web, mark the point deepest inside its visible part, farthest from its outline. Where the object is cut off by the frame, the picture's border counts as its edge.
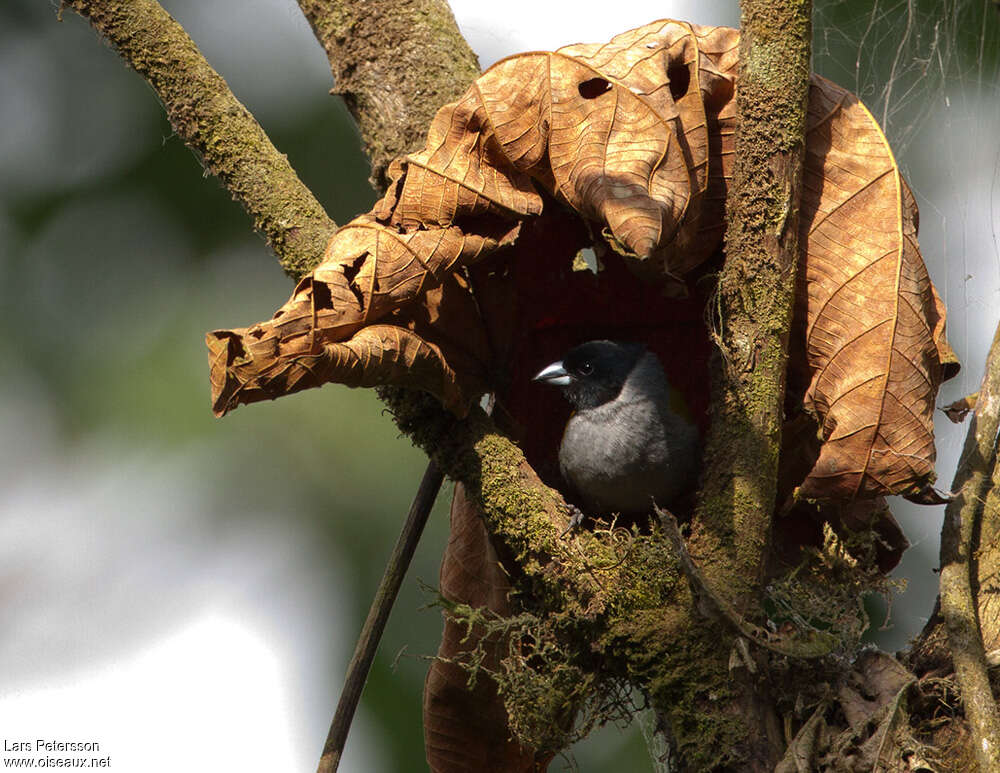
(929, 71)
(906, 57)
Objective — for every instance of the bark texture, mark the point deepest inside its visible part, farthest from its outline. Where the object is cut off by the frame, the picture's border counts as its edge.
(963, 553)
(731, 530)
(755, 294)
(395, 62)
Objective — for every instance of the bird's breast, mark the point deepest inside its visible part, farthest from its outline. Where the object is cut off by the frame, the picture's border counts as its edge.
(621, 457)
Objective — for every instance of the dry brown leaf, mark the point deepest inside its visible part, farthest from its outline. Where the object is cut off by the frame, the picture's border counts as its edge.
(334, 327)
(636, 136)
(467, 729)
(958, 410)
(874, 327)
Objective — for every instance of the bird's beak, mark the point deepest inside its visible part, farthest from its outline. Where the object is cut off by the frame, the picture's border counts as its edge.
(554, 374)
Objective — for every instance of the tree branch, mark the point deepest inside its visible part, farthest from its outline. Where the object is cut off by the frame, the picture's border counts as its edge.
(216, 126)
(755, 297)
(628, 601)
(392, 96)
(395, 62)
(731, 529)
(527, 517)
(959, 537)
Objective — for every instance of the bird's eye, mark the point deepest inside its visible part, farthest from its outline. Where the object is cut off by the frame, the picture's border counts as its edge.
(586, 368)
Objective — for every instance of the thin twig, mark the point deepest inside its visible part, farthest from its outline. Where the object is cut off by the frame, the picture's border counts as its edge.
(958, 600)
(809, 643)
(371, 633)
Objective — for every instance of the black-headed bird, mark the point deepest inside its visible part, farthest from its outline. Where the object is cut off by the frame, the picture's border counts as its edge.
(630, 441)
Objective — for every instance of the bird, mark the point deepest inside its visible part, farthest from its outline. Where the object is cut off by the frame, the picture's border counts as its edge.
(630, 441)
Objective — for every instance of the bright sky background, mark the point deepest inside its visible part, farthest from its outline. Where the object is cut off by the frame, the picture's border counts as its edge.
(494, 35)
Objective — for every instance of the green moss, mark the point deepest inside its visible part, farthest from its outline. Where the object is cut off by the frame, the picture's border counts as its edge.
(689, 683)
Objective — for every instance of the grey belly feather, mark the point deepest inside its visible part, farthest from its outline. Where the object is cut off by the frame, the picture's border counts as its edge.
(622, 456)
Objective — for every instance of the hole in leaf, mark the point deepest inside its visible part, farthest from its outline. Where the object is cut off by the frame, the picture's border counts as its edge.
(321, 296)
(593, 88)
(680, 78)
(586, 260)
(350, 273)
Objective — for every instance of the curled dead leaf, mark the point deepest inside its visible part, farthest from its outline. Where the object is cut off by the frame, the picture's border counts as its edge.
(635, 136)
(466, 729)
(875, 352)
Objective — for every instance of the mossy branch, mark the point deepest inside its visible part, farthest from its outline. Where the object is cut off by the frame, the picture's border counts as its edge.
(959, 543)
(216, 126)
(755, 294)
(395, 62)
(523, 514)
(627, 601)
(755, 297)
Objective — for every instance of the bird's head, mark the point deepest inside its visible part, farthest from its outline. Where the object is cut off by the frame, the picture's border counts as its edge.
(593, 373)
